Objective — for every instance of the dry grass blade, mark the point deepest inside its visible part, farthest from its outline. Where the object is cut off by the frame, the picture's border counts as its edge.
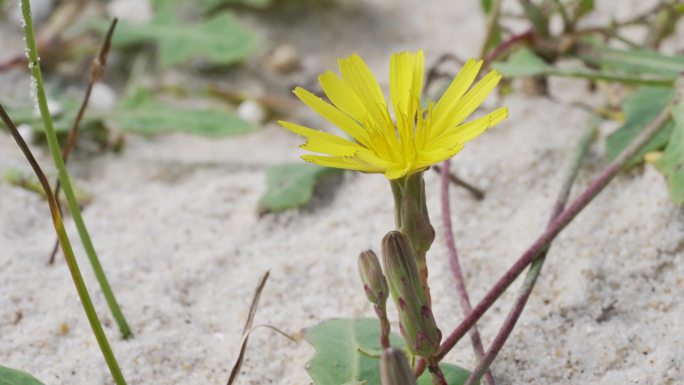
(248, 328)
(97, 69)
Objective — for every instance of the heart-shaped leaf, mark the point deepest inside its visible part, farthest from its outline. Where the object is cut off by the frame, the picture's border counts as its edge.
(345, 350)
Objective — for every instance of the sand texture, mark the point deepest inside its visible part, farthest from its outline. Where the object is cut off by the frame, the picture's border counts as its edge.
(174, 221)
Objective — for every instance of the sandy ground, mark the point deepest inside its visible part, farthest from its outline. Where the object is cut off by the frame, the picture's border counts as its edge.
(174, 223)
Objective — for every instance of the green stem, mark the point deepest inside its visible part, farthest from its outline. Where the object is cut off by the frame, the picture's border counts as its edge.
(69, 255)
(55, 151)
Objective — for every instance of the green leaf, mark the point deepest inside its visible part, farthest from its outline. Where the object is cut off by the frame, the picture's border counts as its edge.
(142, 114)
(220, 40)
(635, 61)
(526, 63)
(210, 5)
(291, 185)
(671, 163)
(583, 8)
(640, 108)
(486, 5)
(16, 377)
(338, 361)
(523, 63)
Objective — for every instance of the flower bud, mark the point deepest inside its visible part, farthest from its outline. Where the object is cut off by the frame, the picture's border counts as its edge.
(416, 322)
(374, 283)
(394, 368)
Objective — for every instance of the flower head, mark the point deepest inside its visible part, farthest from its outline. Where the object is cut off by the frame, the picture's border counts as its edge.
(411, 141)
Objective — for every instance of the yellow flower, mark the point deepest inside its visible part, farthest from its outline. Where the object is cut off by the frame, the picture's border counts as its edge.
(416, 138)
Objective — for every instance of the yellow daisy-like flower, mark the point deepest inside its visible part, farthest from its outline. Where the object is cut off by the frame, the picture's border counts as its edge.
(416, 138)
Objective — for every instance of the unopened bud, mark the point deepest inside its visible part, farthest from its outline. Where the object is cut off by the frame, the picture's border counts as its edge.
(374, 283)
(394, 368)
(416, 322)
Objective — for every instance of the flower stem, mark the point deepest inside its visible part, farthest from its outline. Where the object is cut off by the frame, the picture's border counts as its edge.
(554, 228)
(456, 269)
(533, 273)
(381, 313)
(69, 255)
(53, 144)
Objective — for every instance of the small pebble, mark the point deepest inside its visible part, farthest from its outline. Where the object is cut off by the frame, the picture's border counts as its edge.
(103, 97)
(285, 58)
(63, 329)
(252, 111)
(134, 11)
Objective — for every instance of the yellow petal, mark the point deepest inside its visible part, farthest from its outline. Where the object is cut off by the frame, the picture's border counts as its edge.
(428, 158)
(319, 141)
(337, 162)
(446, 104)
(397, 171)
(359, 77)
(470, 130)
(406, 79)
(335, 116)
(343, 96)
(471, 100)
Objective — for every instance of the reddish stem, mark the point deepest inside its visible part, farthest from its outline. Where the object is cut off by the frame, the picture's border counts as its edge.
(554, 228)
(456, 268)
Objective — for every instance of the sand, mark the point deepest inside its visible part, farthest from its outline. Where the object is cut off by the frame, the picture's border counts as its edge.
(174, 221)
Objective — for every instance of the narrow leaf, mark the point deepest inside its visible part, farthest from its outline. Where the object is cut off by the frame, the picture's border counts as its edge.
(291, 185)
(635, 61)
(526, 63)
(211, 5)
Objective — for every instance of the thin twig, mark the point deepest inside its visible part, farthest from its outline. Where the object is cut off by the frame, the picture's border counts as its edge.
(476, 192)
(542, 242)
(533, 273)
(97, 69)
(455, 265)
(76, 275)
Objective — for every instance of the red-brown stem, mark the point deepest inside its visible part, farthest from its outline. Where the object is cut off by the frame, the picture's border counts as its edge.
(436, 372)
(534, 271)
(554, 228)
(384, 326)
(507, 44)
(456, 269)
